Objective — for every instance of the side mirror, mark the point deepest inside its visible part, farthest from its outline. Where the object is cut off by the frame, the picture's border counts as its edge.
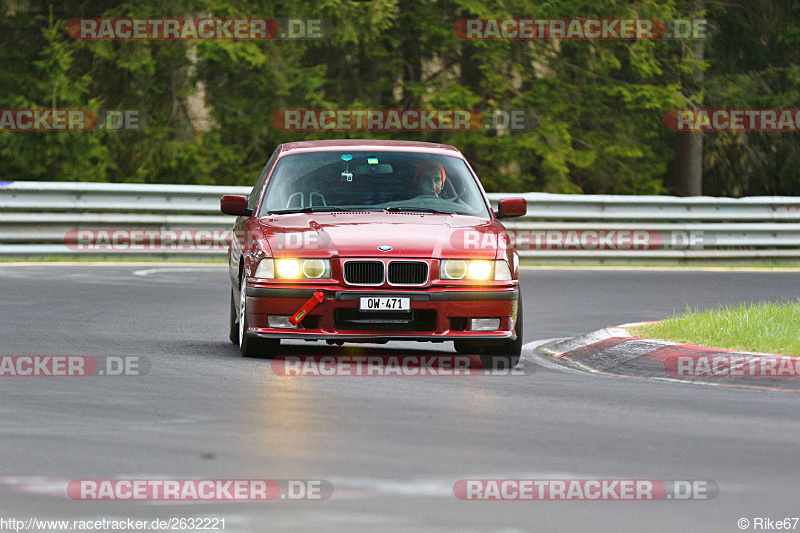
(512, 207)
(233, 204)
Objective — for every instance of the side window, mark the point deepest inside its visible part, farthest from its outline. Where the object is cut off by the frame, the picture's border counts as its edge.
(253, 198)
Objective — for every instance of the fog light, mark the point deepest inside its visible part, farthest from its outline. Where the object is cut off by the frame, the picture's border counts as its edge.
(484, 324)
(279, 321)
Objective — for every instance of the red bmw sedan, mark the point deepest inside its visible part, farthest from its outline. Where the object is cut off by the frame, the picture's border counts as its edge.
(372, 241)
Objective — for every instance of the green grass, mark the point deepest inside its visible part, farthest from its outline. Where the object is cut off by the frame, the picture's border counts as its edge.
(763, 327)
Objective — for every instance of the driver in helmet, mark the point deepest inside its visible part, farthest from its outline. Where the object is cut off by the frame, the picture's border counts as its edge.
(429, 179)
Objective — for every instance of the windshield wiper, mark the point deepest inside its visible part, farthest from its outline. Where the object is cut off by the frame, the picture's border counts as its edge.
(316, 209)
(398, 208)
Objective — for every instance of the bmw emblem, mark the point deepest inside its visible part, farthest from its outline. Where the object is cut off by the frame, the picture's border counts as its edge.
(385, 248)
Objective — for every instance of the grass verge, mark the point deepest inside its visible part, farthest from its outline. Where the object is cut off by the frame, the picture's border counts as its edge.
(763, 327)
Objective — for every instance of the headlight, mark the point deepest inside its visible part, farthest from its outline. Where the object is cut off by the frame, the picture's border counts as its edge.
(303, 268)
(316, 268)
(288, 268)
(266, 269)
(454, 269)
(479, 270)
(502, 272)
(475, 270)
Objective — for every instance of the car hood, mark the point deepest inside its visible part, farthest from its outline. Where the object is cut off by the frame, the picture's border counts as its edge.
(419, 235)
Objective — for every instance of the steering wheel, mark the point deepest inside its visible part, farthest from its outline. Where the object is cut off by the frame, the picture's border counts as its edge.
(455, 199)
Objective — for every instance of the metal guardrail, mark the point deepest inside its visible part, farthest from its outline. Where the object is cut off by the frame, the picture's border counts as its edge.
(36, 216)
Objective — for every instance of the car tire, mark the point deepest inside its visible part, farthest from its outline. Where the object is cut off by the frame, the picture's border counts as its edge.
(251, 345)
(468, 347)
(496, 356)
(233, 334)
(508, 354)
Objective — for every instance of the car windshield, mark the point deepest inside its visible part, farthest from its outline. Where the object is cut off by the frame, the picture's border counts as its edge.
(370, 180)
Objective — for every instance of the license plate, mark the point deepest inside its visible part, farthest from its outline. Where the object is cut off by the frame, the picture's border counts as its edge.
(384, 303)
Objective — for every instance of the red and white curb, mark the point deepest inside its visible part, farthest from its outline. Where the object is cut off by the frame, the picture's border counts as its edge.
(614, 351)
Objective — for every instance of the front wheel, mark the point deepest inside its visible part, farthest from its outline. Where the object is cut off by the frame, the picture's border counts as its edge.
(496, 356)
(250, 345)
(233, 323)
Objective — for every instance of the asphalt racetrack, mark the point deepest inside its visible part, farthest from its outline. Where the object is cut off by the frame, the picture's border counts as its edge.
(391, 447)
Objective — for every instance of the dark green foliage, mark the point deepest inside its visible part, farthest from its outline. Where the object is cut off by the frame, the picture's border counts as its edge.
(600, 104)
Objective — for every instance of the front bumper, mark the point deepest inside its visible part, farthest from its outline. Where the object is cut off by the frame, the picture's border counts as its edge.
(439, 314)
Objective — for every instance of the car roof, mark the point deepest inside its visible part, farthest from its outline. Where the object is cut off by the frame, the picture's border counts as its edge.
(375, 144)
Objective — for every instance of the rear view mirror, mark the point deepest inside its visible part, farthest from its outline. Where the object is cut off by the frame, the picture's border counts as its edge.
(383, 168)
(234, 204)
(512, 207)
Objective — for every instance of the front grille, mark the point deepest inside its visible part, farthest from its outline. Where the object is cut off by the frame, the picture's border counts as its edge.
(363, 272)
(355, 320)
(408, 272)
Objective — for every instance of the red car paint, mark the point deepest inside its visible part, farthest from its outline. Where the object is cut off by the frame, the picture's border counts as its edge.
(342, 236)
